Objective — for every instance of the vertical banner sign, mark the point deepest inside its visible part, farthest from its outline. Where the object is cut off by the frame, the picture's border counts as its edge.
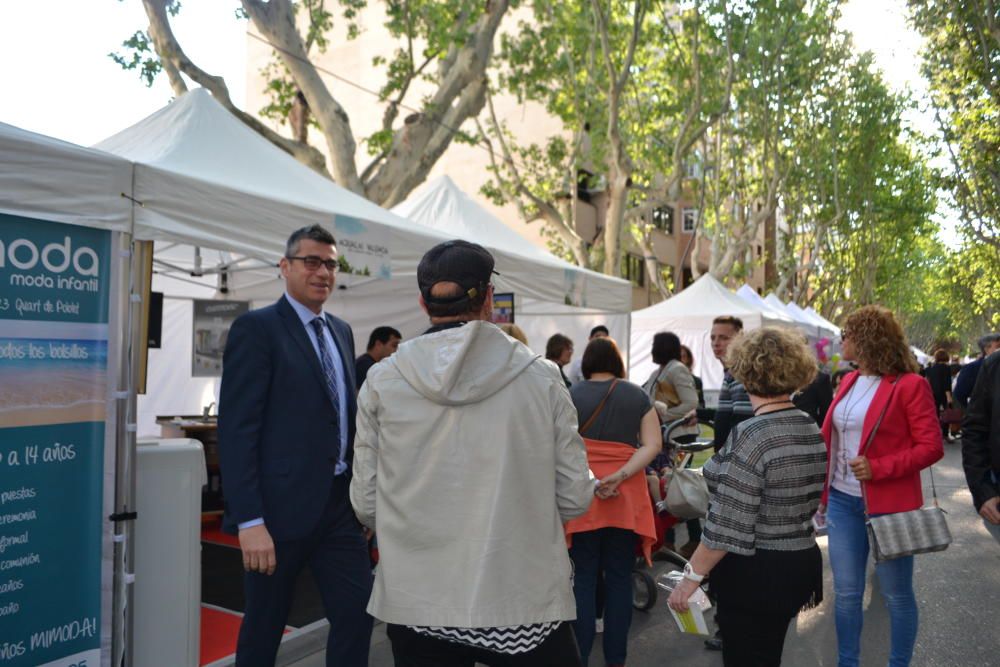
(54, 306)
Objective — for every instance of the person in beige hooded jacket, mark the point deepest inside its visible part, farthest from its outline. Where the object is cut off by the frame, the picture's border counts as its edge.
(467, 463)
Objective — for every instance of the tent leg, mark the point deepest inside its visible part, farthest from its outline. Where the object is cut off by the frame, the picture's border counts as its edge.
(128, 345)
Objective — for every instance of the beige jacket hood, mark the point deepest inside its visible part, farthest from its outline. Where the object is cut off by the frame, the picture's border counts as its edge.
(467, 462)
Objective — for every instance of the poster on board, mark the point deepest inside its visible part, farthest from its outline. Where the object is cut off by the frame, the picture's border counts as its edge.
(212, 319)
(503, 308)
(54, 311)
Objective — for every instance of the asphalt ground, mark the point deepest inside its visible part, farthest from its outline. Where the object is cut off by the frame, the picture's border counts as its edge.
(958, 592)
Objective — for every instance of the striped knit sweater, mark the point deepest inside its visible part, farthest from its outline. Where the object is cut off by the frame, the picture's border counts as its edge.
(766, 485)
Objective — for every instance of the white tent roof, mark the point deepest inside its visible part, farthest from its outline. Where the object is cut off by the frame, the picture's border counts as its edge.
(55, 180)
(443, 206)
(689, 315)
(825, 323)
(749, 294)
(823, 328)
(206, 179)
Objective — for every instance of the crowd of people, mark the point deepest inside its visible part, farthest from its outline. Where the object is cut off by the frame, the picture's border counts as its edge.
(510, 491)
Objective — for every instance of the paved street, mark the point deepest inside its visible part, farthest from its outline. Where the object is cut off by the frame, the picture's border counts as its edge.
(958, 592)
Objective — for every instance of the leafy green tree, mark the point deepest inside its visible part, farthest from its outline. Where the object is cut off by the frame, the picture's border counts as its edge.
(627, 79)
(961, 62)
(791, 51)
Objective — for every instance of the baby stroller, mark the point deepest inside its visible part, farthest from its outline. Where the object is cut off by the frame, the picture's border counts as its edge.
(676, 455)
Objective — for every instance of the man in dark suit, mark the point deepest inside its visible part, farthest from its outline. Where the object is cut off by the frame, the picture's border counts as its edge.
(286, 432)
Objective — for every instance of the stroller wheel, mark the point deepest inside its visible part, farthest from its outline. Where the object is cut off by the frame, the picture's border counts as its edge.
(643, 590)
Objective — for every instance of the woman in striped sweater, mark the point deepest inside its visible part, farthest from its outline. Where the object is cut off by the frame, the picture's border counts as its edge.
(766, 481)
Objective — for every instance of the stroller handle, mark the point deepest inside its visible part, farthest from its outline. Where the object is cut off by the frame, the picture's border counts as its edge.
(691, 447)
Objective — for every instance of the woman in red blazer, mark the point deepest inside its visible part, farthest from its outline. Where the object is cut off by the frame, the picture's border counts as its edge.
(883, 469)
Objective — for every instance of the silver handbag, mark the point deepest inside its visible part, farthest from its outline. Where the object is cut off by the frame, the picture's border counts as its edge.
(901, 534)
(907, 533)
(687, 494)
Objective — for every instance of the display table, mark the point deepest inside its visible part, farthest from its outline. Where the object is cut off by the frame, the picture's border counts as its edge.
(206, 431)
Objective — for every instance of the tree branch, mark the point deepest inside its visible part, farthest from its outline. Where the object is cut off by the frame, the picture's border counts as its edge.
(275, 20)
(176, 61)
(461, 95)
(548, 212)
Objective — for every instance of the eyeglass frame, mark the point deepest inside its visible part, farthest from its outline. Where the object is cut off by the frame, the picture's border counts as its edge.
(332, 265)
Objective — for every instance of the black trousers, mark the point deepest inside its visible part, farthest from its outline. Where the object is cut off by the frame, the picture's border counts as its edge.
(751, 639)
(337, 554)
(412, 649)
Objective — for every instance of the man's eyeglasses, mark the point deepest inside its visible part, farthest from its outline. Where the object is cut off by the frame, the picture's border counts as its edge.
(312, 263)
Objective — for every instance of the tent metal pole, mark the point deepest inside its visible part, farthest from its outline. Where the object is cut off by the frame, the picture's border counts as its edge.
(122, 621)
(121, 625)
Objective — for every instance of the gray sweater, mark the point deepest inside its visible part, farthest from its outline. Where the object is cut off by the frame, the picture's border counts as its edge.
(766, 485)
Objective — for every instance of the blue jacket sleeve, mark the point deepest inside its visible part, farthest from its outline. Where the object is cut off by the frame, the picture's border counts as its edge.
(964, 384)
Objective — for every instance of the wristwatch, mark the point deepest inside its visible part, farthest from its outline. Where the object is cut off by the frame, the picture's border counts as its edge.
(691, 575)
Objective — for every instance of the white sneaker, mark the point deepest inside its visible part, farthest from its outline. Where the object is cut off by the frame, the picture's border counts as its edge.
(598, 625)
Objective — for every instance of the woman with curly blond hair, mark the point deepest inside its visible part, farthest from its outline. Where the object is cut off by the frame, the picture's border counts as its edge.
(758, 541)
(881, 431)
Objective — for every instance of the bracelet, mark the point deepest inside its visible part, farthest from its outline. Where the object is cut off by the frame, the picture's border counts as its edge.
(691, 575)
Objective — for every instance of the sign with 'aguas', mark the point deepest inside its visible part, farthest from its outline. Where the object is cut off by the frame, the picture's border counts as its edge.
(54, 312)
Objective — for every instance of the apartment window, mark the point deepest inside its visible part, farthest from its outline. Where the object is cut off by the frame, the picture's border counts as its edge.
(690, 220)
(633, 269)
(663, 219)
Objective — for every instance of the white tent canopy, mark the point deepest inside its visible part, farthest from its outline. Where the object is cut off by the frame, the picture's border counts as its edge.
(806, 323)
(823, 329)
(823, 322)
(689, 315)
(442, 206)
(52, 179)
(749, 294)
(206, 181)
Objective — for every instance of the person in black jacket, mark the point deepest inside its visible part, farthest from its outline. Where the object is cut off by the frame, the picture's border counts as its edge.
(939, 375)
(981, 444)
(815, 398)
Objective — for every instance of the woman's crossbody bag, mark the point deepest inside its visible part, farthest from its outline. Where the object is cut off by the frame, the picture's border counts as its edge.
(901, 534)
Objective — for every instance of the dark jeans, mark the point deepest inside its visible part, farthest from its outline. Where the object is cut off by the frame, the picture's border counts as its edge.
(752, 639)
(412, 649)
(611, 551)
(337, 554)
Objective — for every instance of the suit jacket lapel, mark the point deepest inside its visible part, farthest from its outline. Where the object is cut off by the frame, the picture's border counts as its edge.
(301, 338)
(879, 401)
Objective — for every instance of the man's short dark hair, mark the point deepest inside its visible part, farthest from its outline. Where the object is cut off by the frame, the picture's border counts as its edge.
(600, 328)
(382, 335)
(732, 321)
(666, 348)
(987, 340)
(312, 233)
(556, 345)
(602, 356)
(461, 306)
